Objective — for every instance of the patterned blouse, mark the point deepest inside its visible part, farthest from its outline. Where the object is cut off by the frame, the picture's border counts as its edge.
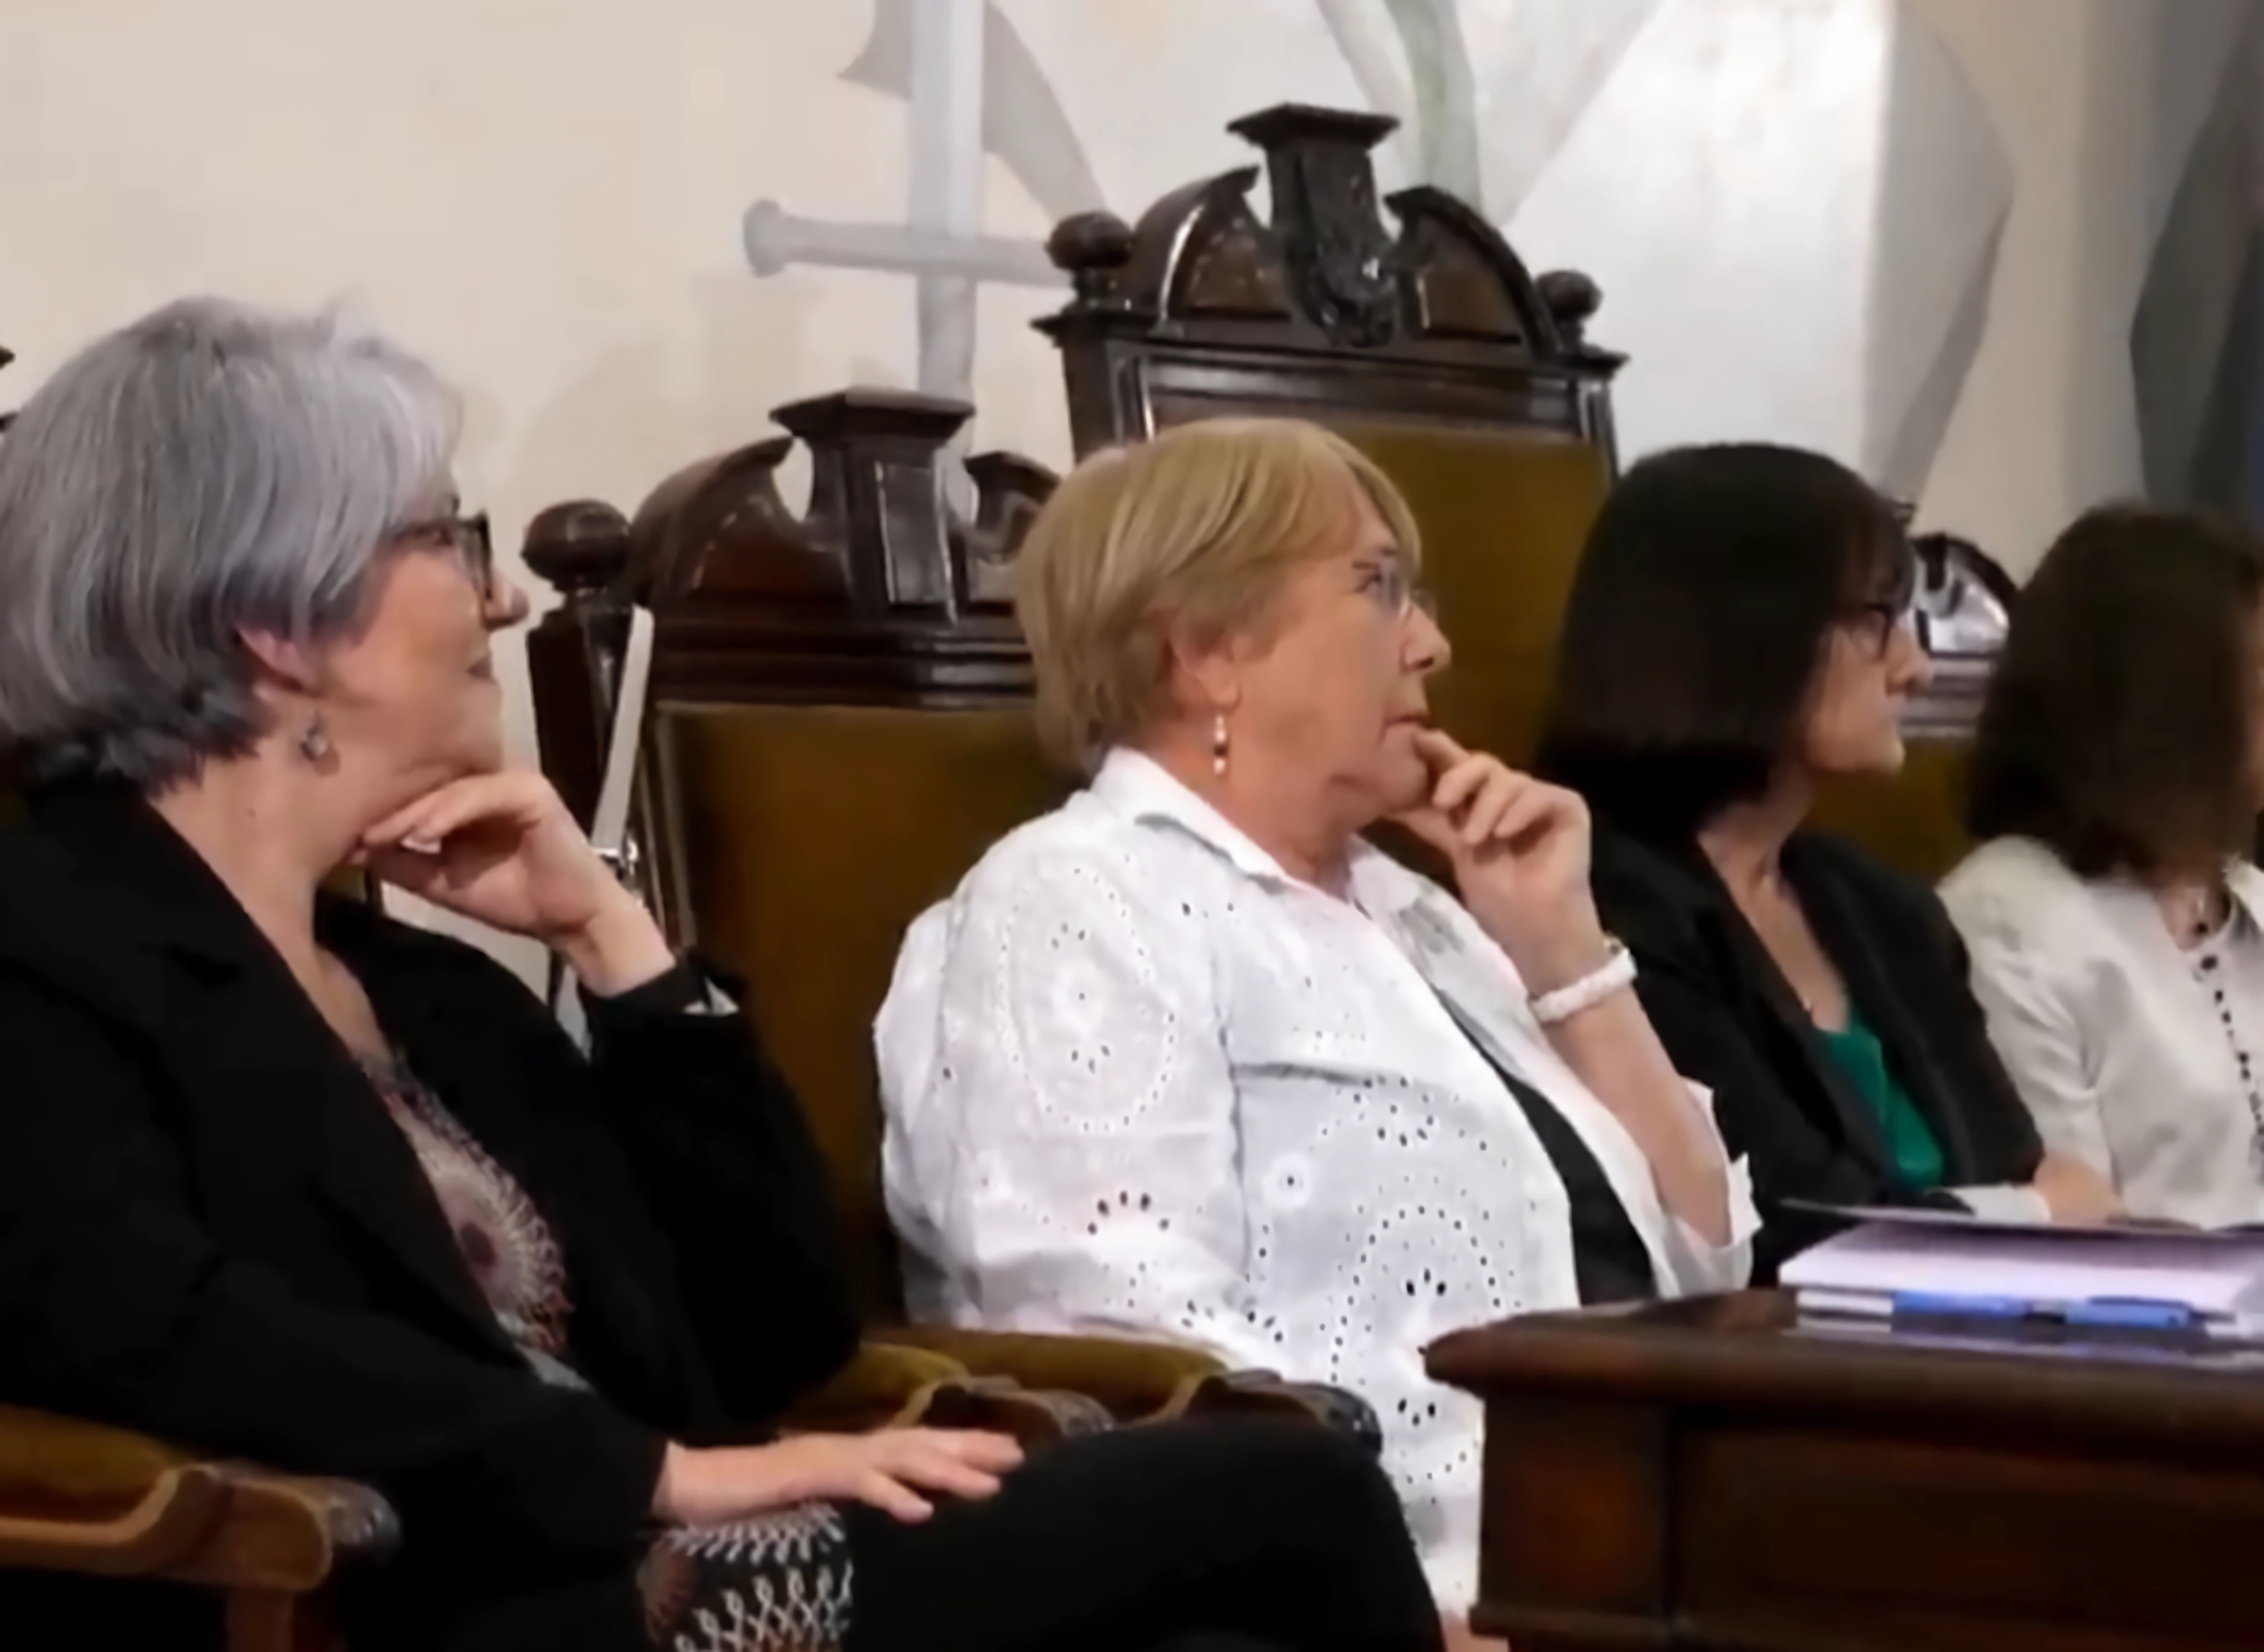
(1138, 1077)
(780, 1582)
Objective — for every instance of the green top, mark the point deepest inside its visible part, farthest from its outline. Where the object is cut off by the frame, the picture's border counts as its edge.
(1856, 1051)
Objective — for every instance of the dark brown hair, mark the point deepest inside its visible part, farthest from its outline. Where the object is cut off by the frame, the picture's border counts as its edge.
(2117, 726)
(1709, 588)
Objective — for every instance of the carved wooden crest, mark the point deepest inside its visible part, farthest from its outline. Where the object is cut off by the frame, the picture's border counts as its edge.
(1335, 305)
(1325, 270)
(877, 593)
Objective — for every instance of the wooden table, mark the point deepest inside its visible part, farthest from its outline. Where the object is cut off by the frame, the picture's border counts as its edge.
(1712, 1474)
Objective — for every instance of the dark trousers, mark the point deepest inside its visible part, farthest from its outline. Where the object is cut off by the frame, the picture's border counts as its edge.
(1247, 1533)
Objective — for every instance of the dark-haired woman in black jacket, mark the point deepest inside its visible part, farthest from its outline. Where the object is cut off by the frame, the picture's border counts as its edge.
(1738, 631)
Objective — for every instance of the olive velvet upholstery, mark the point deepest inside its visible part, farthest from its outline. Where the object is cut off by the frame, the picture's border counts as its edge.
(1503, 515)
(813, 835)
(1914, 822)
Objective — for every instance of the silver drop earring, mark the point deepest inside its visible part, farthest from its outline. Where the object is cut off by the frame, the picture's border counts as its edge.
(1218, 743)
(315, 744)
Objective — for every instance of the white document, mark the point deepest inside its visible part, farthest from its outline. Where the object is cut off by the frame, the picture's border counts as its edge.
(609, 821)
(1877, 1268)
(1968, 1221)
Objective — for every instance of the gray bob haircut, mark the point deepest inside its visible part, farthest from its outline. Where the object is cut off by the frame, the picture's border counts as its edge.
(210, 471)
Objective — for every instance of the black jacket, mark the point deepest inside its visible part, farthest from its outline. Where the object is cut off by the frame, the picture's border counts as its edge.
(211, 1230)
(1731, 1022)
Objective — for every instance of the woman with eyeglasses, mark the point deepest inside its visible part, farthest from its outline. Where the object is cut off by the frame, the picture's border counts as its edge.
(1738, 635)
(1188, 1057)
(282, 1179)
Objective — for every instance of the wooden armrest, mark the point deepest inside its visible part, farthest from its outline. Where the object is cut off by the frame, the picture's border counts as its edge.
(882, 1387)
(1004, 1406)
(80, 1498)
(888, 1385)
(1264, 1391)
(1137, 1381)
(1141, 1381)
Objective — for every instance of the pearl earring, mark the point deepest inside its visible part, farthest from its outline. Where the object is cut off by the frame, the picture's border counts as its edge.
(315, 744)
(1218, 743)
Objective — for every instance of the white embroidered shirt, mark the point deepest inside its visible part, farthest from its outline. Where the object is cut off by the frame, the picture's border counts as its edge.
(1138, 1079)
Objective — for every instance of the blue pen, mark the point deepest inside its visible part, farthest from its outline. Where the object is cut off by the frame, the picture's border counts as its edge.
(1934, 1304)
(2132, 1311)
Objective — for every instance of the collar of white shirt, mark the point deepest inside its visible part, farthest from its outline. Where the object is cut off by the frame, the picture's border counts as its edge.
(2132, 903)
(1461, 963)
(2245, 884)
(1139, 788)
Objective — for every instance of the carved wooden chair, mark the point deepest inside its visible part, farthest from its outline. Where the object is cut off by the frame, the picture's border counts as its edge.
(837, 726)
(1425, 340)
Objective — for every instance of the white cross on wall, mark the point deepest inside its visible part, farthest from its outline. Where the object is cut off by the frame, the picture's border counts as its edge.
(940, 243)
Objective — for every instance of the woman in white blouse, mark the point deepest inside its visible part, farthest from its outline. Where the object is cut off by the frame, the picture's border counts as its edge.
(2114, 918)
(1189, 1058)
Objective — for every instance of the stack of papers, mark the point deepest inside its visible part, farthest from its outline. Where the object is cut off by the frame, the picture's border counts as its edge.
(1923, 1267)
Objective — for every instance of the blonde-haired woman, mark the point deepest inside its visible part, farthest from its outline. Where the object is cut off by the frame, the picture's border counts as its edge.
(1189, 1058)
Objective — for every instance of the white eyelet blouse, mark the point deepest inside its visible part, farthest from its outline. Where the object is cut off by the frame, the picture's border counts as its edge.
(2141, 1059)
(1140, 1080)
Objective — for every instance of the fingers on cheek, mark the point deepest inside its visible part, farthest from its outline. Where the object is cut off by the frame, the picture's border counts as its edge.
(1458, 786)
(1487, 811)
(437, 823)
(401, 829)
(1440, 749)
(1517, 815)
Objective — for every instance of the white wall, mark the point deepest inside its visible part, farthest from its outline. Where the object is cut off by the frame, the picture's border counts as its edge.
(2096, 101)
(544, 196)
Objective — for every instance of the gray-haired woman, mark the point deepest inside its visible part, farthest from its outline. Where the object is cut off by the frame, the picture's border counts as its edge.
(282, 1179)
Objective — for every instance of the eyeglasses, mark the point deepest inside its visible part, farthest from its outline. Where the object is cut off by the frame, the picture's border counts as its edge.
(1877, 622)
(1396, 592)
(466, 535)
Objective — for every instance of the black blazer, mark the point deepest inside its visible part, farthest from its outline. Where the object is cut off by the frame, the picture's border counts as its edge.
(1731, 1021)
(211, 1230)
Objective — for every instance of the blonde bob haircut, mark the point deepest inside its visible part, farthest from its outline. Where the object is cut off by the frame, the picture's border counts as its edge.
(1192, 535)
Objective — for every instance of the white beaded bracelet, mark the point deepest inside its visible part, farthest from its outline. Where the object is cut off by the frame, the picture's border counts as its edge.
(1617, 971)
